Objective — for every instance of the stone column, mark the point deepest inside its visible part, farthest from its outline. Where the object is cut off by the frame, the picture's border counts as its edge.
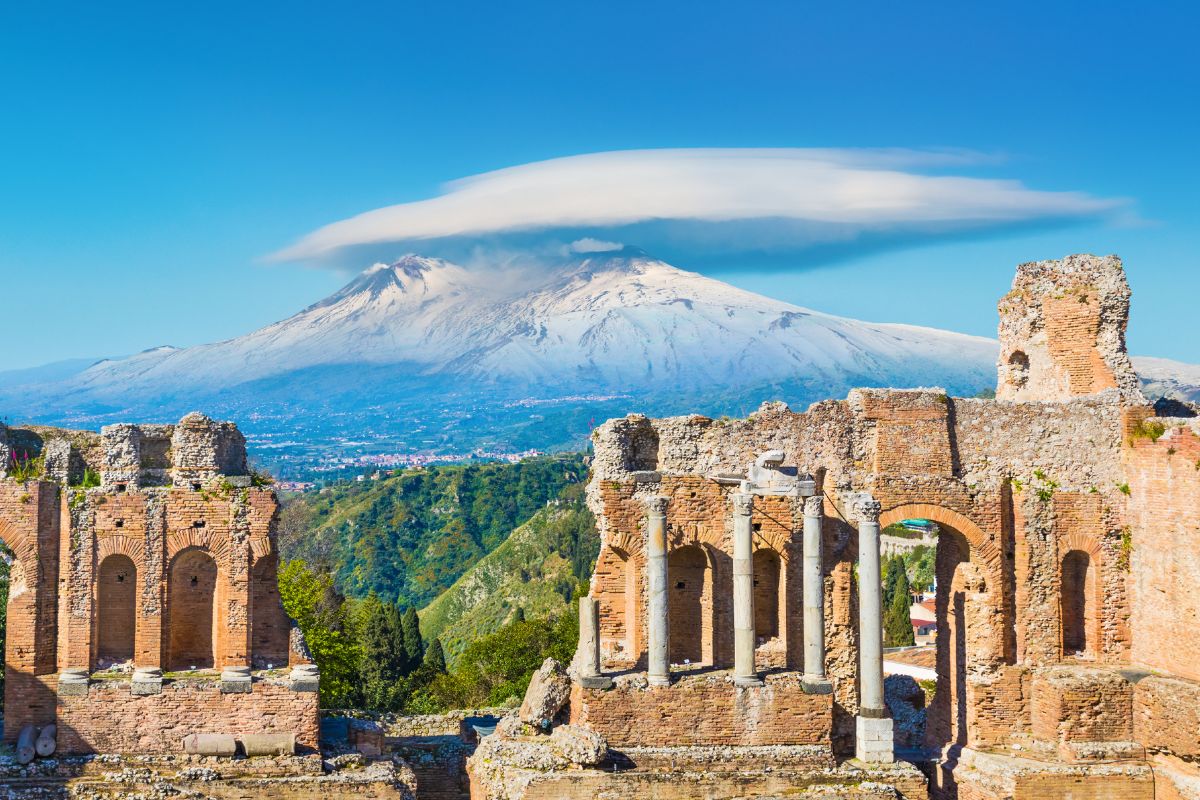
(873, 741)
(744, 673)
(814, 680)
(658, 635)
(587, 658)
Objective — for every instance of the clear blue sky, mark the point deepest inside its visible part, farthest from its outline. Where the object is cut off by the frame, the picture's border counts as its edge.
(152, 154)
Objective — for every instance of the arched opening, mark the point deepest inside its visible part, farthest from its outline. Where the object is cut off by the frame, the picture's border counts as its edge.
(1077, 587)
(768, 608)
(952, 655)
(190, 592)
(689, 588)
(1018, 369)
(615, 582)
(116, 610)
(269, 626)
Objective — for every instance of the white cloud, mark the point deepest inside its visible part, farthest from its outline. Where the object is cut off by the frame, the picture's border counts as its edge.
(589, 245)
(816, 195)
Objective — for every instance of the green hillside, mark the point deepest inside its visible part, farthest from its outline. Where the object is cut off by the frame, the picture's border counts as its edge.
(532, 574)
(410, 536)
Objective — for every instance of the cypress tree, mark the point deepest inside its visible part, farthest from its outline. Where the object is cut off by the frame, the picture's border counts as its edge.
(898, 617)
(435, 657)
(414, 648)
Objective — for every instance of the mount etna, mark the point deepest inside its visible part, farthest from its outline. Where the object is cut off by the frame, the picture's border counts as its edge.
(425, 357)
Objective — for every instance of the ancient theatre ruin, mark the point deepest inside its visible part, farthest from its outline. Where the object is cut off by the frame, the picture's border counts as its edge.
(731, 645)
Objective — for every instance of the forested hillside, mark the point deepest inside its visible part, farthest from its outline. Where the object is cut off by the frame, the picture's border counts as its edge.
(408, 537)
(531, 575)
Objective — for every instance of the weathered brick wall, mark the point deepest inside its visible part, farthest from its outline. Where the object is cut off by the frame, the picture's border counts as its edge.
(1166, 716)
(1081, 704)
(109, 719)
(705, 711)
(1164, 549)
(170, 563)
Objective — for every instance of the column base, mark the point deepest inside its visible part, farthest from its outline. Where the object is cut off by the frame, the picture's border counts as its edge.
(73, 682)
(747, 681)
(658, 680)
(816, 685)
(146, 681)
(873, 740)
(305, 678)
(236, 680)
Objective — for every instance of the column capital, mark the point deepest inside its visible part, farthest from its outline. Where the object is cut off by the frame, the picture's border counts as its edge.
(743, 503)
(814, 506)
(865, 508)
(657, 504)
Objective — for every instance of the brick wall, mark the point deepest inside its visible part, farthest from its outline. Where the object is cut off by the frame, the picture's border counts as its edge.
(111, 720)
(1164, 538)
(1081, 704)
(1166, 716)
(706, 711)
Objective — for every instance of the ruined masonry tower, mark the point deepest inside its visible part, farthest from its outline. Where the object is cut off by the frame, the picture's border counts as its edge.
(1062, 332)
(145, 608)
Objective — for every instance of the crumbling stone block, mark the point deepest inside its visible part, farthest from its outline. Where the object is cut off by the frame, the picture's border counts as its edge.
(549, 690)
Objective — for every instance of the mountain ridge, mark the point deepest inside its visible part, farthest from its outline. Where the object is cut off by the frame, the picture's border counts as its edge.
(423, 355)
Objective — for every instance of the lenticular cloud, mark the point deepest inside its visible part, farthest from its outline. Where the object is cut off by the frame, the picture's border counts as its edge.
(807, 196)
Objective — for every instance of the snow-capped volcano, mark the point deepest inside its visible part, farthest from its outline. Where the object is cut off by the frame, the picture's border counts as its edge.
(623, 322)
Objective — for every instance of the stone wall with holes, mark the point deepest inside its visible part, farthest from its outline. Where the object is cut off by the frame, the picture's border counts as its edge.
(169, 562)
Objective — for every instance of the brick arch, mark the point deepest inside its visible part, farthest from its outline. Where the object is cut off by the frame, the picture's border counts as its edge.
(631, 542)
(260, 547)
(981, 545)
(17, 540)
(773, 539)
(202, 539)
(134, 549)
(1077, 540)
(705, 536)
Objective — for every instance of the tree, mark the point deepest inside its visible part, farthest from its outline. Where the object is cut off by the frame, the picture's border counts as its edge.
(435, 657)
(321, 613)
(921, 564)
(414, 647)
(897, 619)
(384, 657)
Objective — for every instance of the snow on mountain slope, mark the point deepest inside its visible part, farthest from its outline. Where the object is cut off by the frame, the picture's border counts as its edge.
(618, 322)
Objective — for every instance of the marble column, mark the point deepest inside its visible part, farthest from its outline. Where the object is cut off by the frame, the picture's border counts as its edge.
(814, 680)
(588, 656)
(658, 634)
(744, 673)
(873, 727)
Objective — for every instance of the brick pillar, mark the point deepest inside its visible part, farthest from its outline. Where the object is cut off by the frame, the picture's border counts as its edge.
(873, 728)
(30, 525)
(148, 645)
(658, 636)
(76, 602)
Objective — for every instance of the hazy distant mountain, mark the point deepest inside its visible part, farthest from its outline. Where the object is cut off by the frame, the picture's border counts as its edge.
(425, 355)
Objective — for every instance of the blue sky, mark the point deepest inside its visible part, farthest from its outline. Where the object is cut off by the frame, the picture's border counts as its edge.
(153, 155)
